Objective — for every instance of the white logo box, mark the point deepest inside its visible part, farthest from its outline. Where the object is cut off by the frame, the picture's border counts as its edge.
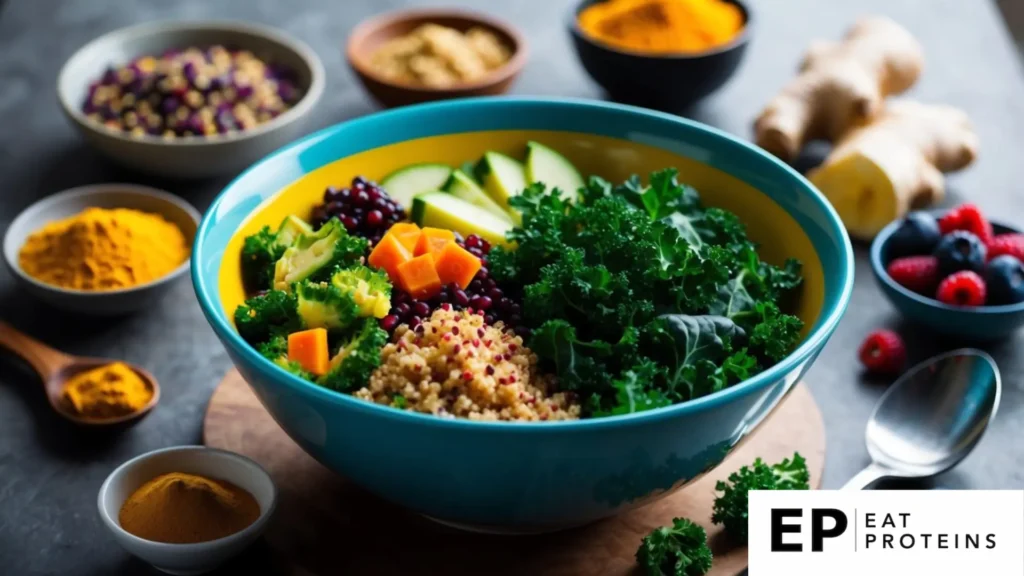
(897, 532)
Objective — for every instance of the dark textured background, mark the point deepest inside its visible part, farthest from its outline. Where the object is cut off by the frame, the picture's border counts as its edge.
(50, 472)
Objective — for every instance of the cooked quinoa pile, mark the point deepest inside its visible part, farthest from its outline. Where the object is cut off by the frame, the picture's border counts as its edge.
(455, 365)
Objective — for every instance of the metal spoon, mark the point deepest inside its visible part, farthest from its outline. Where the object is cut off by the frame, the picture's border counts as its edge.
(931, 417)
(55, 368)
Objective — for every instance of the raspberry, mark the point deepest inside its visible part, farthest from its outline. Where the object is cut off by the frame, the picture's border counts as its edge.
(965, 288)
(883, 352)
(967, 217)
(1012, 244)
(917, 273)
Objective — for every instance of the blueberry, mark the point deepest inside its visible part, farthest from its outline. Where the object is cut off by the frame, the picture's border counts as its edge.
(917, 235)
(1004, 276)
(960, 250)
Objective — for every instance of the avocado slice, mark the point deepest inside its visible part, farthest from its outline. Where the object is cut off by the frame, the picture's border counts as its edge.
(292, 228)
(465, 188)
(545, 165)
(405, 183)
(503, 178)
(441, 210)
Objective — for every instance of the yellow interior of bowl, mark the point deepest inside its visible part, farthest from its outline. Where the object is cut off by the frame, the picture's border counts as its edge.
(780, 235)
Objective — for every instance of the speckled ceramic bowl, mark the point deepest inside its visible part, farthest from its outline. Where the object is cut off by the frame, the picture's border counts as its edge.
(526, 476)
(71, 202)
(192, 157)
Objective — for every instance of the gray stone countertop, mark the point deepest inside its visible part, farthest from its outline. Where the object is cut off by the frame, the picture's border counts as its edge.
(50, 472)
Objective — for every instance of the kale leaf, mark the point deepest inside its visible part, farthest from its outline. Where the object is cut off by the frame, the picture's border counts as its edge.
(638, 296)
(731, 506)
(677, 550)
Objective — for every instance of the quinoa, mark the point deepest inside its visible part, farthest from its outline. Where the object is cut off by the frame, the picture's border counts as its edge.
(455, 365)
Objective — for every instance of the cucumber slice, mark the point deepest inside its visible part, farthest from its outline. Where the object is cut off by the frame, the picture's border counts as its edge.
(545, 165)
(463, 187)
(443, 210)
(503, 178)
(405, 183)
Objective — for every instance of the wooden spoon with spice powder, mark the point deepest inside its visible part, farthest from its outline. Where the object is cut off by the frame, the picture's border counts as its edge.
(88, 391)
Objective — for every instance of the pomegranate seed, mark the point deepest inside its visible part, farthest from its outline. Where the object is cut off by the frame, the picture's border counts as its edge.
(389, 322)
(455, 330)
(467, 375)
(421, 309)
(374, 218)
(457, 349)
(489, 370)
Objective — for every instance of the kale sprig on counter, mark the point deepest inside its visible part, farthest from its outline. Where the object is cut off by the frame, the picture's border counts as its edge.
(640, 297)
(731, 506)
(677, 550)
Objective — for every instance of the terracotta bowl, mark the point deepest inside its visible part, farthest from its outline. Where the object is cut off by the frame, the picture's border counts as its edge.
(373, 33)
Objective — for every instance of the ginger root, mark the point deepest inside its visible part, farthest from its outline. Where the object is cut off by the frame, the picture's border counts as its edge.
(880, 170)
(840, 84)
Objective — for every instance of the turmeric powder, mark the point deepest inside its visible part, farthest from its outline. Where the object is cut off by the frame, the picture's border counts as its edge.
(106, 392)
(182, 508)
(663, 26)
(104, 249)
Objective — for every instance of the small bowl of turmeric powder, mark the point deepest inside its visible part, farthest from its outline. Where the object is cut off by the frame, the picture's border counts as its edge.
(187, 509)
(660, 54)
(104, 249)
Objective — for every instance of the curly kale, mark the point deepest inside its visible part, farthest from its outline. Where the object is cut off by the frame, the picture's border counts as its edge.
(730, 508)
(677, 550)
(640, 297)
(356, 358)
(271, 314)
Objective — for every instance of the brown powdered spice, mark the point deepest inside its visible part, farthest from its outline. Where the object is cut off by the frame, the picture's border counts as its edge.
(181, 508)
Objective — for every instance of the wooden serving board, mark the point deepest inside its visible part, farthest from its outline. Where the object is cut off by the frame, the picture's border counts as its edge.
(325, 525)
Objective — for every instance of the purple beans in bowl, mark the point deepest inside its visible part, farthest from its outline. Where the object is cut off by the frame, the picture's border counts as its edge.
(190, 100)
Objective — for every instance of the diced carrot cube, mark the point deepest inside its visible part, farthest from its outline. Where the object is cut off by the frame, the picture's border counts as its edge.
(456, 264)
(388, 254)
(309, 349)
(407, 233)
(432, 240)
(419, 277)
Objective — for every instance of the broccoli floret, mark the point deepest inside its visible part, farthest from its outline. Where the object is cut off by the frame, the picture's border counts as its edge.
(371, 289)
(274, 348)
(262, 317)
(730, 508)
(677, 550)
(315, 256)
(356, 359)
(262, 250)
(323, 305)
(294, 367)
(259, 254)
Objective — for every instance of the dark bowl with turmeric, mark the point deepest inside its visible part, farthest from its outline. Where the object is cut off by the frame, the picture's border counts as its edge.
(660, 54)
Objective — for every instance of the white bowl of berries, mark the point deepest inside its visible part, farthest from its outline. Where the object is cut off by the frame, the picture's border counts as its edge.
(954, 271)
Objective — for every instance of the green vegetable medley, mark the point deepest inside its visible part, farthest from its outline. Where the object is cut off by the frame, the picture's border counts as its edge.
(314, 280)
(640, 297)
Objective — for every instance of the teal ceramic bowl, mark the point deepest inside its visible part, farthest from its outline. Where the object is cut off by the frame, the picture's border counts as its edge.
(526, 477)
(978, 324)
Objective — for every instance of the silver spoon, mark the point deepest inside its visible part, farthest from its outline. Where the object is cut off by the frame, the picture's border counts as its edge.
(931, 417)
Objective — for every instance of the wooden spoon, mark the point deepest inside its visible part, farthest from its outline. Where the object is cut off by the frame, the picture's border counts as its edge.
(55, 368)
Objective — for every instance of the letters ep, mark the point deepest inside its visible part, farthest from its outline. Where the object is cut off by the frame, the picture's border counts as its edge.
(819, 533)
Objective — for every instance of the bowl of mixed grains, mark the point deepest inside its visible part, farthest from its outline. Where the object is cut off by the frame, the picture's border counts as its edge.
(190, 100)
(415, 56)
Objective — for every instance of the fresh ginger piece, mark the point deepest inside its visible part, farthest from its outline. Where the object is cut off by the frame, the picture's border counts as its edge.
(879, 171)
(840, 85)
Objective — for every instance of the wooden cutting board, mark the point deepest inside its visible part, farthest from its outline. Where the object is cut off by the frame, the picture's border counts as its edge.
(325, 525)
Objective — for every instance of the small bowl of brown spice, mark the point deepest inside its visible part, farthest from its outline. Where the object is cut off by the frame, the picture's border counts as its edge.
(187, 509)
(414, 56)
